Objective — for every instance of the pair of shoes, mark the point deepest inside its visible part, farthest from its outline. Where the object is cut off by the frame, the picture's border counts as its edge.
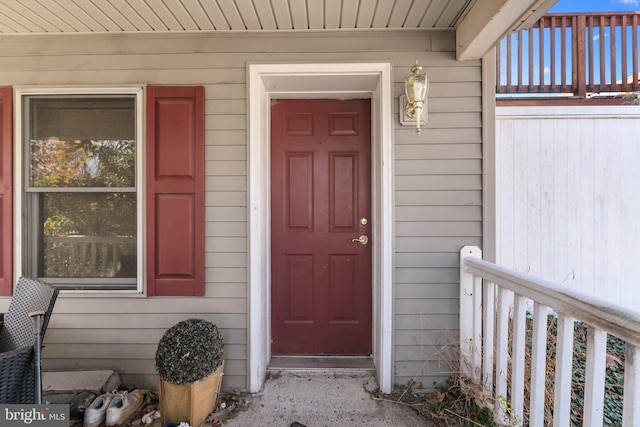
(94, 414)
(123, 406)
(115, 408)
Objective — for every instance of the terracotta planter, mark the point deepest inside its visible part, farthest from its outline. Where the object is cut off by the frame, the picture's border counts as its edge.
(190, 402)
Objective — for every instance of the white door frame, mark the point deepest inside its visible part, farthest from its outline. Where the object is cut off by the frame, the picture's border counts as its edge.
(319, 80)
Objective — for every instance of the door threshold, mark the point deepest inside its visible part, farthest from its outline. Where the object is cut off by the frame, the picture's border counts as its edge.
(320, 363)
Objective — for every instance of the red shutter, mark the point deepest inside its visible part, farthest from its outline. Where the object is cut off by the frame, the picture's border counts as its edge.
(175, 190)
(6, 191)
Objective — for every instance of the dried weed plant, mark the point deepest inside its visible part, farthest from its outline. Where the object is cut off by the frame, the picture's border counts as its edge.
(464, 403)
(459, 402)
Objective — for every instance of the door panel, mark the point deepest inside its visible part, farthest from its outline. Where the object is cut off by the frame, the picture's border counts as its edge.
(320, 191)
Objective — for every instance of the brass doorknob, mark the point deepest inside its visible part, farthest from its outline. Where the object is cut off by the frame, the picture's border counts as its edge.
(363, 240)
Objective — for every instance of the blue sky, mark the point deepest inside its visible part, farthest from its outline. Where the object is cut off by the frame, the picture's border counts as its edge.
(595, 6)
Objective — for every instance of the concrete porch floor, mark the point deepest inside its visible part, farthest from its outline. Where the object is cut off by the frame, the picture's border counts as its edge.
(329, 398)
(298, 390)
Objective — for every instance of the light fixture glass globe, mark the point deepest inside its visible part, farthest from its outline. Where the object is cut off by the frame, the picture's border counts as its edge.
(416, 86)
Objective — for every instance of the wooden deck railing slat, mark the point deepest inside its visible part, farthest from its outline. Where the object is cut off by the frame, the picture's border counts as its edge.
(603, 73)
(623, 52)
(552, 44)
(634, 52)
(563, 51)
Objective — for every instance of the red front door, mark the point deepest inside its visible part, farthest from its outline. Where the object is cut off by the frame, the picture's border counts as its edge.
(320, 202)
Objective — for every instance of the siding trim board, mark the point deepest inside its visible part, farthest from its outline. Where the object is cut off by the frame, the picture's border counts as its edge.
(344, 80)
(6, 191)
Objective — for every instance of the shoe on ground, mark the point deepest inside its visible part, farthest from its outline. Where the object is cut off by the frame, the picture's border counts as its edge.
(94, 414)
(123, 406)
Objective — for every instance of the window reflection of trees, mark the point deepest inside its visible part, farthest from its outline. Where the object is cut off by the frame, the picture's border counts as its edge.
(82, 163)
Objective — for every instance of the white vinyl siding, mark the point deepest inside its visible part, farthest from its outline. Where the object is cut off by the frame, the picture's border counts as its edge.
(437, 187)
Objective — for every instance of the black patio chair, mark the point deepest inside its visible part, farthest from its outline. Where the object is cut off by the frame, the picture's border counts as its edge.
(20, 343)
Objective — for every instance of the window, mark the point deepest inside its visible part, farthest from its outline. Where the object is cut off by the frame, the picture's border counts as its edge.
(80, 216)
(81, 224)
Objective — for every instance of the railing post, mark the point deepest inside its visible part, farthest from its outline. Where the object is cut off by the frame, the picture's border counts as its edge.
(579, 50)
(470, 317)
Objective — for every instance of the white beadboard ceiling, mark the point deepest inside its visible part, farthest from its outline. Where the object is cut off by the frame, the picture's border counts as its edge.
(115, 16)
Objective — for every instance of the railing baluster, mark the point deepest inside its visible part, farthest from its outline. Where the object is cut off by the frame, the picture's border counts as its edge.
(520, 65)
(530, 56)
(563, 54)
(613, 73)
(564, 370)
(634, 50)
(631, 409)
(594, 377)
(502, 353)
(499, 67)
(538, 365)
(552, 51)
(509, 63)
(488, 335)
(541, 48)
(518, 357)
(623, 52)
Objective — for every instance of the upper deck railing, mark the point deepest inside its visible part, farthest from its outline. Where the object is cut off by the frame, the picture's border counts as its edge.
(573, 54)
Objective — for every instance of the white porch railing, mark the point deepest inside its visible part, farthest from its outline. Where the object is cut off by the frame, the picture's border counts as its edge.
(87, 256)
(493, 307)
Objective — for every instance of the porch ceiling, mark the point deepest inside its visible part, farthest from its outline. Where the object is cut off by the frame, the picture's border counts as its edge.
(99, 16)
(481, 23)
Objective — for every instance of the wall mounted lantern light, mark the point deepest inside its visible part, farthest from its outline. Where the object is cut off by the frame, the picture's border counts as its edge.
(413, 104)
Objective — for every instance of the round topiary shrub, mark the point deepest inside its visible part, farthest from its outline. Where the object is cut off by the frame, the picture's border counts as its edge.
(189, 351)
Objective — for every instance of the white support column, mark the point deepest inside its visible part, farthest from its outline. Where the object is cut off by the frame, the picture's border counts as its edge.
(595, 377)
(631, 408)
(470, 330)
